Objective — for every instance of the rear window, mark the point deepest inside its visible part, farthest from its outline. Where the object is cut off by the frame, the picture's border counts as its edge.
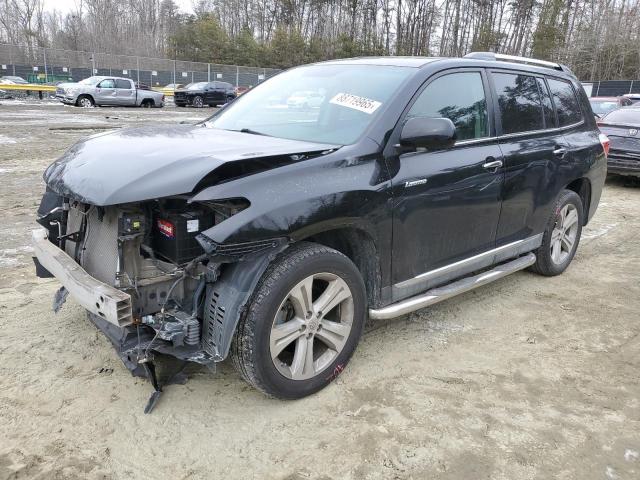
(566, 102)
(624, 116)
(519, 102)
(123, 84)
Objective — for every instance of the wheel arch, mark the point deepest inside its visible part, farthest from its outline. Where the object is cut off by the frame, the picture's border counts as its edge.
(85, 95)
(582, 186)
(360, 247)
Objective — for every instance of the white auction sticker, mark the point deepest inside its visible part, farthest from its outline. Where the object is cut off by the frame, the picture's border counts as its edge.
(362, 104)
(192, 225)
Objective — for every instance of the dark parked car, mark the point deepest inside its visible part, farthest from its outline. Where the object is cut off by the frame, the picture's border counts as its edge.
(623, 129)
(603, 105)
(200, 94)
(270, 234)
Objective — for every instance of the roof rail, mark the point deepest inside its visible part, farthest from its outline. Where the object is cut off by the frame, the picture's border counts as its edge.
(513, 58)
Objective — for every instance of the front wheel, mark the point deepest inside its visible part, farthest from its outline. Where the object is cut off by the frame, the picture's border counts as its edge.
(562, 235)
(303, 322)
(197, 101)
(85, 101)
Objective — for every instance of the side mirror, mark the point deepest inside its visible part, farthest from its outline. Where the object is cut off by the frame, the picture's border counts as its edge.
(429, 133)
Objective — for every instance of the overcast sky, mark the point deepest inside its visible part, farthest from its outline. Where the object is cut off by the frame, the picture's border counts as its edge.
(66, 5)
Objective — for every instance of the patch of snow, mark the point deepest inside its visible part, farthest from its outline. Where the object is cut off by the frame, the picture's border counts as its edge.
(631, 455)
(5, 140)
(598, 232)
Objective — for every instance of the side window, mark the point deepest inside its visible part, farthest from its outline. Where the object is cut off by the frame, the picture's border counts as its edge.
(125, 84)
(564, 98)
(459, 97)
(108, 83)
(519, 102)
(547, 106)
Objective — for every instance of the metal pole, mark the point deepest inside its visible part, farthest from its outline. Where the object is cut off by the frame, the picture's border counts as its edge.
(44, 54)
(174, 74)
(93, 64)
(237, 75)
(138, 69)
(208, 72)
(631, 87)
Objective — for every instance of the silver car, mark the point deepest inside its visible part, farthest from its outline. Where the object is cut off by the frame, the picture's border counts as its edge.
(112, 91)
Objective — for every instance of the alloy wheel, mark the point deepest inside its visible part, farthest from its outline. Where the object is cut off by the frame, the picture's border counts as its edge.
(312, 326)
(563, 237)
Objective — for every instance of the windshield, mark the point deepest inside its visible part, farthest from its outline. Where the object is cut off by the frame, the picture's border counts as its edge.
(603, 106)
(196, 86)
(624, 116)
(90, 81)
(319, 103)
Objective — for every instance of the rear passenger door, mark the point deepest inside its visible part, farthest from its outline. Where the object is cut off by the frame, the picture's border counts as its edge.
(125, 93)
(534, 152)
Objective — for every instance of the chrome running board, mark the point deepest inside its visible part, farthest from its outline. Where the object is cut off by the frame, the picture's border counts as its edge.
(439, 294)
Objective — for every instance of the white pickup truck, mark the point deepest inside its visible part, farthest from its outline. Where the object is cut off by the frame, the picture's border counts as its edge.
(112, 91)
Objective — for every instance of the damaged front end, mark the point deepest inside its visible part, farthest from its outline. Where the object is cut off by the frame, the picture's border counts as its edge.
(148, 277)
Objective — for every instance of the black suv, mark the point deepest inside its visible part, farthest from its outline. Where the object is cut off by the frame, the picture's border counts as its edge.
(269, 233)
(199, 94)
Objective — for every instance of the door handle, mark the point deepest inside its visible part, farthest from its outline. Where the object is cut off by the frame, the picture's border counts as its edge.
(496, 164)
(560, 152)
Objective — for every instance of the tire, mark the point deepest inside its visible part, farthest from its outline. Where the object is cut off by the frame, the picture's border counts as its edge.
(197, 101)
(258, 339)
(147, 104)
(85, 101)
(561, 236)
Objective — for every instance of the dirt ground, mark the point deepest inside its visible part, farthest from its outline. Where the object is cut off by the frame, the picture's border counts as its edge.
(527, 378)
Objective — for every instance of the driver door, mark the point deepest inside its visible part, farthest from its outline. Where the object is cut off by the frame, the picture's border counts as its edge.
(106, 92)
(446, 203)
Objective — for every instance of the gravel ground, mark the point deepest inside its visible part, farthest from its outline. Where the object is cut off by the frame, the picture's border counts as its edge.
(527, 378)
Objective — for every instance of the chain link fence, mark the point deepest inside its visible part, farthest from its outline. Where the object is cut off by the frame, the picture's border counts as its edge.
(50, 65)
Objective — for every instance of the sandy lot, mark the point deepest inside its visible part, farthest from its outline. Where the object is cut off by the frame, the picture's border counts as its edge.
(527, 378)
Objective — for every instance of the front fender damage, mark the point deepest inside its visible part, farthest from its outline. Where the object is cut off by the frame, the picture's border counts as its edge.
(227, 298)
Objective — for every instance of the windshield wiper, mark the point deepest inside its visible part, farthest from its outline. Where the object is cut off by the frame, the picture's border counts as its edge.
(252, 132)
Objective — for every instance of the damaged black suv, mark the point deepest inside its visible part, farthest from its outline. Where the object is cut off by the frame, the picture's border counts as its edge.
(269, 232)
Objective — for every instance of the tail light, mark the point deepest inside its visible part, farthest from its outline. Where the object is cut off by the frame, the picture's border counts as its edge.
(604, 141)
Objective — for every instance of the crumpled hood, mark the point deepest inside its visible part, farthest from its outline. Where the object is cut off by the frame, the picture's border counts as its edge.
(144, 163)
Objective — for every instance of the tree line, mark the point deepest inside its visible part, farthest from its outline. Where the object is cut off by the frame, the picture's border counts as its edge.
(598, 39)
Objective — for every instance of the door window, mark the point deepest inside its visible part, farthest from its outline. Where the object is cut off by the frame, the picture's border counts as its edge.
(459, 97)
(564, 98)
(547, 106)
(124, 84)
(108, 83)
(519, 102)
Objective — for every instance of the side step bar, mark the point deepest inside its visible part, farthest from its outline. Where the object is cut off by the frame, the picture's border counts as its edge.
(439, 294)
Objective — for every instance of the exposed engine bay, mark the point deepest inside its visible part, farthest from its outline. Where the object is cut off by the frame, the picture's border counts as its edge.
(152, 252)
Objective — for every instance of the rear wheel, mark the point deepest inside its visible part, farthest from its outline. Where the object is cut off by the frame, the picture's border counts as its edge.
(562, 235)
(147, 104)
(303, 323)
(197, 101)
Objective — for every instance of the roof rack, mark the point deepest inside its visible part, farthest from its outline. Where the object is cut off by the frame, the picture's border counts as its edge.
(516, 59)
